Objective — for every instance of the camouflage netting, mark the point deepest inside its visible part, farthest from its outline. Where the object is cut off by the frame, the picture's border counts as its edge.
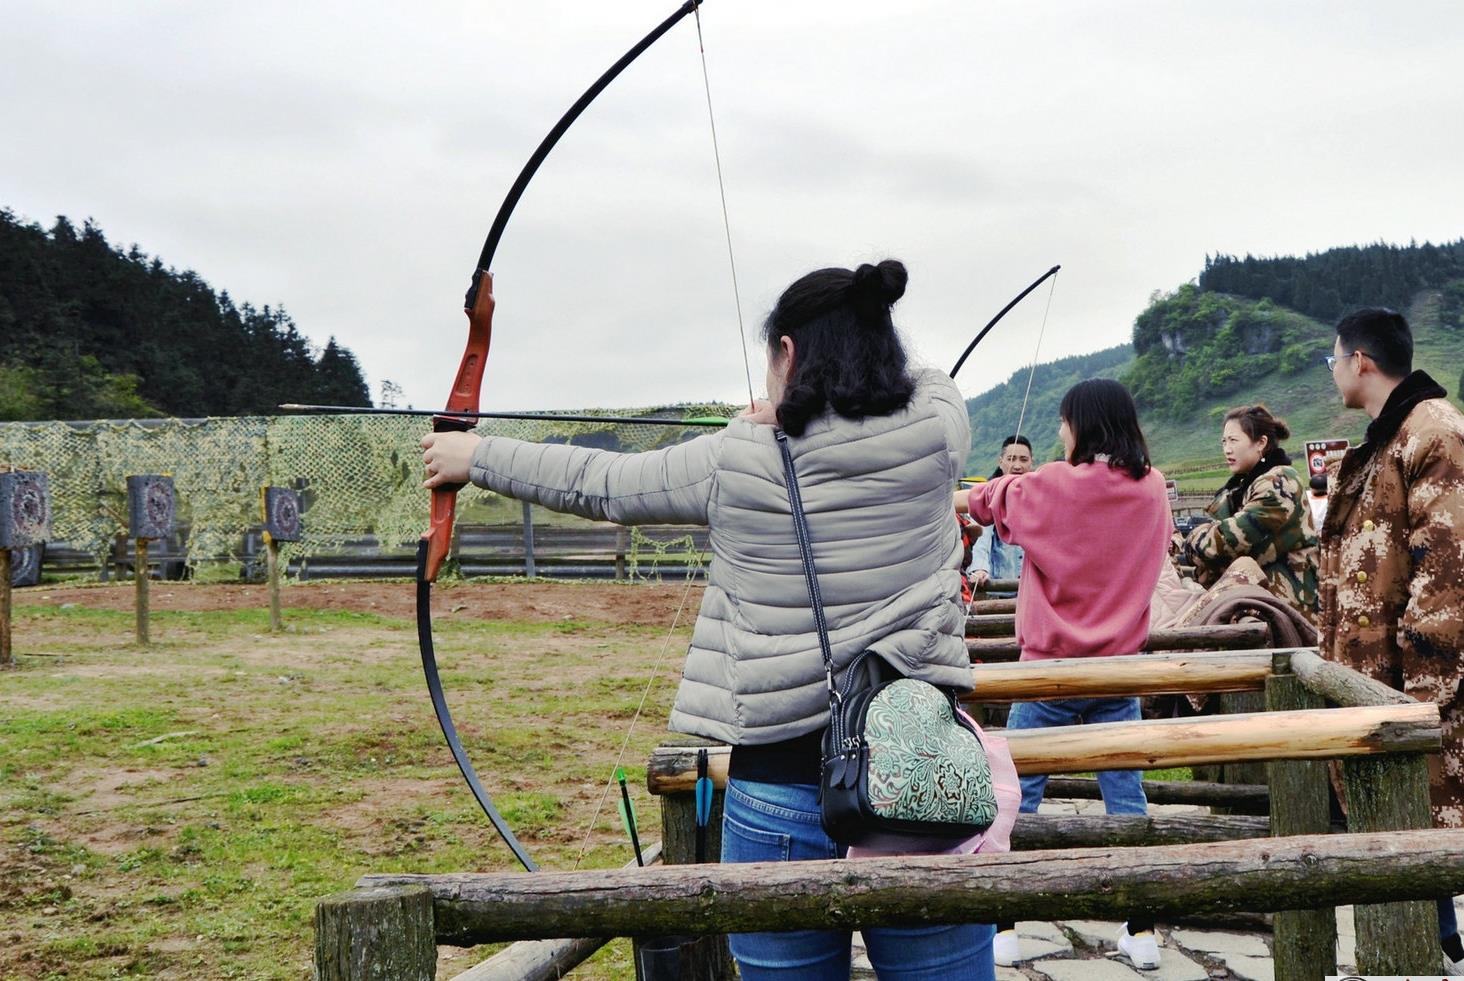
(359, 475)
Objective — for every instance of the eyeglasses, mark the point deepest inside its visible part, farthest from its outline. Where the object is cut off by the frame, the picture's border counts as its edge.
(1332, 359)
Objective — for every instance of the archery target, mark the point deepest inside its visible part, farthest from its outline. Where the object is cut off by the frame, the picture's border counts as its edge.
(151, 510)
(282, 514)
(25, 509)
(25, 565)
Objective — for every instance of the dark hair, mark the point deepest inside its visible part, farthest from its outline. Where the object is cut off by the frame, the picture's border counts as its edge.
(1103, 419)
(1383, 335)
(846, 353)
(1256, 421)
(1022, 440)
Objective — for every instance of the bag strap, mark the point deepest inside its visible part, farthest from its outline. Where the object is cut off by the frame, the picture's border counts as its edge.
(810, 573)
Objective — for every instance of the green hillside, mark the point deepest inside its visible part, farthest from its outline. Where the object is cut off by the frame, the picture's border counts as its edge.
(994, 413)
(1197, 353)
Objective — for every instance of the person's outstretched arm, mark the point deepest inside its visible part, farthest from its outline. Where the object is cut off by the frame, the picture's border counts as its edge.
(672, 485)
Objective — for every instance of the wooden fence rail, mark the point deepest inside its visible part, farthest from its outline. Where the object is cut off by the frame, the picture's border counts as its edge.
(1299, 735)
(1235, 798)
(544, 960)
(1218, 637)
(1265, 875)
(1121, 676)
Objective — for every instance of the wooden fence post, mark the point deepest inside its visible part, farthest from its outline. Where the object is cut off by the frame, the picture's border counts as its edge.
(622, 545)
(1390, 793)
(368, 934)
(272, 564)
(1242, 703)
(711, 960)
(140, 585)
(7, 658)
(1305, 940)
(529, 567)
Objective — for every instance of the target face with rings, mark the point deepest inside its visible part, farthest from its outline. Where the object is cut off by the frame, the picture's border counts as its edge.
(151, 506)
(25, 565)
(25, 509)
(282, 514)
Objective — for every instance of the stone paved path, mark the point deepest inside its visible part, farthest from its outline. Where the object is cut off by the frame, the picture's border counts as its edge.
(1086, 950)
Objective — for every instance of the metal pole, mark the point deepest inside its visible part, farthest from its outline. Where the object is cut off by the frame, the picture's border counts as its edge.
(529, 568)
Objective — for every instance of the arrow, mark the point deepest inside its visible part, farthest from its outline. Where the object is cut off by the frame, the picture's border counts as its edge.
(360, 410)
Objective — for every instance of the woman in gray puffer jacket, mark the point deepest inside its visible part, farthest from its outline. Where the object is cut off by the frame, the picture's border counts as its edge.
(877, 450)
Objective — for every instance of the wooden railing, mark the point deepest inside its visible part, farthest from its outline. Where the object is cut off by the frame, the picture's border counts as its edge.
(1216, 637)
(580, 552)
(1389, 863)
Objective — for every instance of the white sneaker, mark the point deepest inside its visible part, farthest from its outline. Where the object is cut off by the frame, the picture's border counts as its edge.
(1451, 966)
(1006, 948)
(1142, 948)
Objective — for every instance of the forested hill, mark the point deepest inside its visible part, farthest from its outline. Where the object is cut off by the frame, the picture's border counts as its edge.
(1326, 284)
(1201, 350)
(995, 413)
(88, 330)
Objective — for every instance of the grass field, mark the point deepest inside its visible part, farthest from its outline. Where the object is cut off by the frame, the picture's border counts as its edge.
(174, 812)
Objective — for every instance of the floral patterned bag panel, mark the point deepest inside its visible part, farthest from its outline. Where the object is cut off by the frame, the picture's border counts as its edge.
(922, 764)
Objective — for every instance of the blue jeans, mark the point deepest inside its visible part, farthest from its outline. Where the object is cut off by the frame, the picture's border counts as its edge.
(1123, 790)
(1448, 919)
(772, 822)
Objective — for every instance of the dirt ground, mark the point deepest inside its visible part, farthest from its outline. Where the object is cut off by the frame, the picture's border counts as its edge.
(613, 603)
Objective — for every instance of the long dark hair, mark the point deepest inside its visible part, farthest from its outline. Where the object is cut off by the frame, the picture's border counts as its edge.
(1102, 417)
(846, 353)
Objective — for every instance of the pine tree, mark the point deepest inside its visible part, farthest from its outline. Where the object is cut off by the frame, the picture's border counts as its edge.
(338, 378)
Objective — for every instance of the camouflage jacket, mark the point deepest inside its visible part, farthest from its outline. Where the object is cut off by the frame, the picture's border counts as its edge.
(1272, 525)
(1392, 590)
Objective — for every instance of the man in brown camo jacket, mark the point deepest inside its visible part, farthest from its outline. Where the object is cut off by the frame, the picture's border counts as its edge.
(1392, 562)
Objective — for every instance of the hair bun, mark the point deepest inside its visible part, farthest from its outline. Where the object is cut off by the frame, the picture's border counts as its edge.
(884, 283)
(1283, 431)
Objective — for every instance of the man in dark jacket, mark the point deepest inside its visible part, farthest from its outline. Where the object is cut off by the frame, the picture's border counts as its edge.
(1392, 564)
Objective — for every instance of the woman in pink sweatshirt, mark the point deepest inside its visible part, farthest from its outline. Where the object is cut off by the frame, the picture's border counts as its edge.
(1095, 531)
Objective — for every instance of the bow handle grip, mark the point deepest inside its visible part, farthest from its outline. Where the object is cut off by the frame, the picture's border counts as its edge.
(464, 398)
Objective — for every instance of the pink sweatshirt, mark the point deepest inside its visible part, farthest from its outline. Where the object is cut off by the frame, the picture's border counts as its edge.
(1094, 541)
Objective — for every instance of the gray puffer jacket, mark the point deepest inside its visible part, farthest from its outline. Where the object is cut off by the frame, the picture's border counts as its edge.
(878, 497)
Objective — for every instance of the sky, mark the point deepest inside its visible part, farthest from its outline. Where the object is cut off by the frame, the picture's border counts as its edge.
(346, 161)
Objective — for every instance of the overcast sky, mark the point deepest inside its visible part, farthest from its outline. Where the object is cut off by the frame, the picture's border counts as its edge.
(346, 161)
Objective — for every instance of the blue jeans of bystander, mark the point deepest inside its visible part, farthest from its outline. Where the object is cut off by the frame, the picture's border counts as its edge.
(1123, 790)
(770, 822)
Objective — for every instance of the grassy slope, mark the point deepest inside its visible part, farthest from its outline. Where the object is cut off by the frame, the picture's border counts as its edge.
(1188, 446)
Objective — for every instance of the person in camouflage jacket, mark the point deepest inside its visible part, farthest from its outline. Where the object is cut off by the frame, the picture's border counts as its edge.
(1392, 587)
(1260, 513)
